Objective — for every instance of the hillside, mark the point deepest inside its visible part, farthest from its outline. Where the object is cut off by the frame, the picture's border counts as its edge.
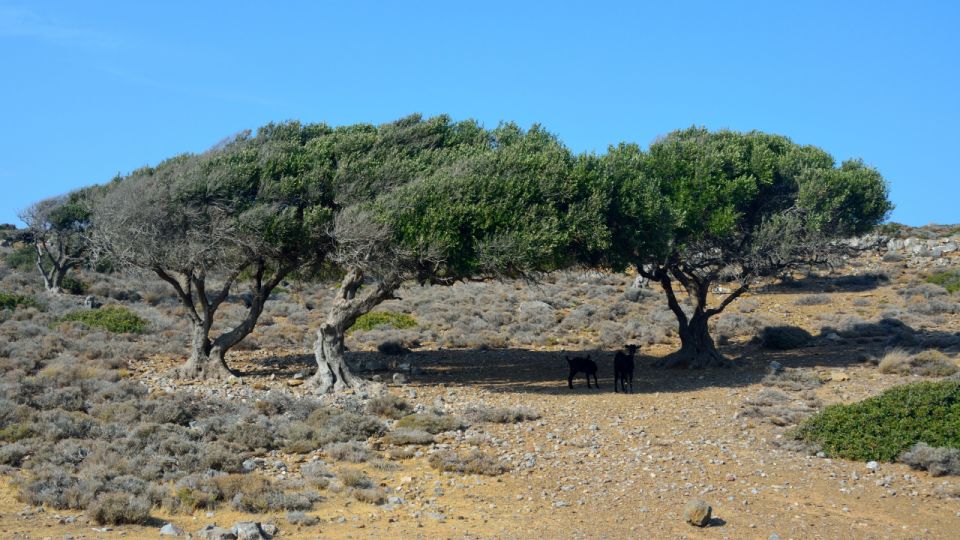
(87, 412)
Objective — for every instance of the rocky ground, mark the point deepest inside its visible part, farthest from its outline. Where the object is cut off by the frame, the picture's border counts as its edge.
(599, 464)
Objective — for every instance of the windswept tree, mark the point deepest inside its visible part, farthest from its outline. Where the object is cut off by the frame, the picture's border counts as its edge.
(250, 211)
(513, 205)
(57, 228)
(701, 207)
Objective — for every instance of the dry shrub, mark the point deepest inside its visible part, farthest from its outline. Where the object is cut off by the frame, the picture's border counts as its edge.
(352, 451)
(500, 415)
(119, 508)
(389, 405)
(792, 379)
(317, 474)
(937, 461)
(475, 462)
(355, 479)
(813, 300)
(431, 423)
(370, 495)
(403, 436)
(302, 519)
(779, 408)
(401, 453)
(929, 363)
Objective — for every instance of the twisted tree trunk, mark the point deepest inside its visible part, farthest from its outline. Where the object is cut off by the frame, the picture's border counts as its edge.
(333, 374)
(208, 356)
(207, 360)
(697, 349)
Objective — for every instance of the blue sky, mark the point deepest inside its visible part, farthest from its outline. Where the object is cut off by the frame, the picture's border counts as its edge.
(95, 88)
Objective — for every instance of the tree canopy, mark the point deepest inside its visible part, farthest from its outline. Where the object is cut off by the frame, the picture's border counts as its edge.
(701, 207)
(433, 200)
(57, 229)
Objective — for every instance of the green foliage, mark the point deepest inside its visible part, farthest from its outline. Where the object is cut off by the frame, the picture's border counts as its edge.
(22, 259)
(14, 301)
(369, 321)
(73, 285)
(114, 318)
(847, 201)
(882, 427)
(949, 280)
(521, 204)
(15, 432)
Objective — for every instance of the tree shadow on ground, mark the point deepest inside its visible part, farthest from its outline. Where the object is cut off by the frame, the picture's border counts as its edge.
(827, 284)
(545, 372)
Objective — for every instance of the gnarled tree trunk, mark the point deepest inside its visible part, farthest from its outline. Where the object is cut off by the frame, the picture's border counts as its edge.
(208, 356)
(207, 360)
(333, 374)
(58, 268)
(697, 349)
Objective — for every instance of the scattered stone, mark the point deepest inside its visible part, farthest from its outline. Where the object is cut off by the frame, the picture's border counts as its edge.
(873, 466)
(294, 382)
(249, 530)
(697, 513)
(171, 530)
(91, 302)
(399, 378)
(776, 367)
(212, 532)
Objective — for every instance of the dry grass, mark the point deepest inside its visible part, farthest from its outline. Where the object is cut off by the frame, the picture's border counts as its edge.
(929, 363)
(403, 436)
(500, 415)
(431, 423)
(474, 462)
(936, 461)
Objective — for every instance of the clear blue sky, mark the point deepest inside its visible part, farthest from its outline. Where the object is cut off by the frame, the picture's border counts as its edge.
(93, 88)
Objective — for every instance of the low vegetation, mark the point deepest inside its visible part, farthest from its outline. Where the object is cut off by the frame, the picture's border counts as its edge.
(431, 423)
(500, 415)
(113, 318)
(936, 461)
(13, 301)
(474, 462)
(884, 426)
(928, 363)
(389, 319)
(783, 338)
(949, 280)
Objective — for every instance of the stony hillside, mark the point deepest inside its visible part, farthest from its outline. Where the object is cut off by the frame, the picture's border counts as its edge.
(472, 431)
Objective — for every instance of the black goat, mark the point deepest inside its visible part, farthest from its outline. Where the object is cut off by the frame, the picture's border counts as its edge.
(623, 368)
(585, 365)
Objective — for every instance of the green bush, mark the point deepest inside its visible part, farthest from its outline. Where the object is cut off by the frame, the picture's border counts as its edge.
(13, 301)
(23, 259)
(116, 319)
(73, 285)
(369, 321)
(949, 280)
(882, 427)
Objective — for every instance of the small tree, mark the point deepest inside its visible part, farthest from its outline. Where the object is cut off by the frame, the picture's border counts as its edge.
(513, 205)
(57, 227)
(702, 207)
(247, 211)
